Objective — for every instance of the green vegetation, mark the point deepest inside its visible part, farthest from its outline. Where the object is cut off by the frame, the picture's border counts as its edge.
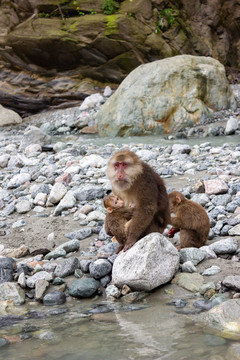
(110, 7)
(111, 25)
(166, 19)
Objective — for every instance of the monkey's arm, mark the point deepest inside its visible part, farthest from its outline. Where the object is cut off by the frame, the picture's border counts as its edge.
(141, 219)
(176, 222)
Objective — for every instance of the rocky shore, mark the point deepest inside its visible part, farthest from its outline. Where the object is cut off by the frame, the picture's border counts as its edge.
(53, 247)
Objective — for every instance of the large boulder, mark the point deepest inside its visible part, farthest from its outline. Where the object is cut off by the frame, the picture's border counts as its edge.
(224, 318)
(151, 262)
(9, 117)
(165, 96)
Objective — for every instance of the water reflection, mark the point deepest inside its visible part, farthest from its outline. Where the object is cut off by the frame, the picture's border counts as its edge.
(155, 332)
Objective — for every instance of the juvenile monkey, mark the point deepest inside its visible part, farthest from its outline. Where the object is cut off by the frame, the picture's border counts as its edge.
(117, 218)
(136, 182)
(192, 220)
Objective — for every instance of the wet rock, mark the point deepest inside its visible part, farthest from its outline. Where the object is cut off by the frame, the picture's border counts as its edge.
(191, 282)
(83, 288)
(41, 287)
(104, 281)
(13, 292)
(203, 304)
(113, 291)
(6, 269)
(48, 336)
(223, 318)
(54, 298)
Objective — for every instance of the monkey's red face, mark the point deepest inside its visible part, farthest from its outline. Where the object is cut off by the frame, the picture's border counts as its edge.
(120, 168)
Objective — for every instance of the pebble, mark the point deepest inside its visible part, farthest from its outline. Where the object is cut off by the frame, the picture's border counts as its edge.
(68, 179)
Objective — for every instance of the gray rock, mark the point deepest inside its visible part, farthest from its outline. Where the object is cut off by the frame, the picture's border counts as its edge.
(70, 246)
(189, 267)
(9, 117)
(104, 281)
(13, 292)
(34, 135)
(80, 234)
(84, 265)
(41, 275)
(180, 149)
(225, 246)
(66, 203)
(23, 206)
(54, 298)
(108, 249)
(100, 268)
(4, 160)
(151, 262)
(235, 230)
(211, 271)
(18, 180)
(201, 199)
(83, 288)
(6, 269)
(232, 126)
(41, 287)
(206, 287)
(191, 254)
(209, 253)
(177, 98)
(89, 192)
(66, 267)
(232, 282)
(222, 200)
(113, 291)
(55, 254)
(191, 282)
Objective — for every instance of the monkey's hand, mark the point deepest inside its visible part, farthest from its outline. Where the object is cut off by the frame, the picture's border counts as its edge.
(128, 246)
(172, 232)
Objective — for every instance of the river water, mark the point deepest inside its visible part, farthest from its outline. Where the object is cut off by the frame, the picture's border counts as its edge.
(150, 329)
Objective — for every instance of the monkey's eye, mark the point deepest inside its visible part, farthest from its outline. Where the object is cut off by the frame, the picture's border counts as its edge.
(124, 164)
(117, 164)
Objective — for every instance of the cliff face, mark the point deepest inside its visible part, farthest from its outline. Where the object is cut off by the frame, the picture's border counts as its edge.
(54, 46)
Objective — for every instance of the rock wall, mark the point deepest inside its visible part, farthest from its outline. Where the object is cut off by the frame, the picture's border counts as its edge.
(55, 48)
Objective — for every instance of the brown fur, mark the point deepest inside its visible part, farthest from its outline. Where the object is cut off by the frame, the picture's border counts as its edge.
(192, 220)
(116, 220)
(143, 187)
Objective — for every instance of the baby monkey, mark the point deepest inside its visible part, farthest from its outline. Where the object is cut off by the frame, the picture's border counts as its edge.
(117, 218)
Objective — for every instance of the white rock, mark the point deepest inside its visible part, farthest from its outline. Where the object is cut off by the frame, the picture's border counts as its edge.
(66, 203)
(96, 216)
(40, 199)
(235, 230)
(31, 280)
(92, 160)
(23, 206)
(18, 180)
(9, 117)
(4, 160)
(225, 246)
(232, 126)
(58, 191)
(151, 262)
(91, 101)
(215, 186)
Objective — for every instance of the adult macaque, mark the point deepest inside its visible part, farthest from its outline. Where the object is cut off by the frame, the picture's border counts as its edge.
(192, 220)
(117, 218)
(136, 182)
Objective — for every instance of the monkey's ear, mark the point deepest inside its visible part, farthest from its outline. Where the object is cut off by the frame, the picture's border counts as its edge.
(178, 199)
(109, 210)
